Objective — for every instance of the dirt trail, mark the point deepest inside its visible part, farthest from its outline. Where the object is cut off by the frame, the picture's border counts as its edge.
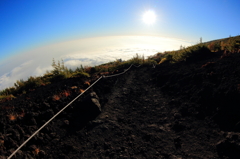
(138, 122)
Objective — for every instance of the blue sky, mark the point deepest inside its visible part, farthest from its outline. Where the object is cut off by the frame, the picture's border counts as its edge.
(32, 24)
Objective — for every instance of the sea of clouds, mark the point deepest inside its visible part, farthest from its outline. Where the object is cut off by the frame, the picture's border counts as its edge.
(86, 52)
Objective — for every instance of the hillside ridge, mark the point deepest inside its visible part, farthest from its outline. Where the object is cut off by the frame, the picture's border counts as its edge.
(187, 109)
(137, 121)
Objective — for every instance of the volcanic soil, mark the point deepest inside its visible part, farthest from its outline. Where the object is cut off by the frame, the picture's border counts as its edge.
(184, 110)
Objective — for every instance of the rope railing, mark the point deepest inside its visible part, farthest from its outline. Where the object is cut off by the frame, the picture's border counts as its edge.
(118, 73)
(137, 66)
(52, 119)
(65, 108)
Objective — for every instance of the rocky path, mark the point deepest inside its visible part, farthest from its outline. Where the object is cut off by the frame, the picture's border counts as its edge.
(138, 122)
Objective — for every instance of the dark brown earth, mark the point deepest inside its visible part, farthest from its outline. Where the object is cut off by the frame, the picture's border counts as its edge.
(185, 110)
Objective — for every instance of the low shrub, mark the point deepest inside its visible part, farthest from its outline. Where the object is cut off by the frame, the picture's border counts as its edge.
(163, 60)
(80, 74)
(4, 98)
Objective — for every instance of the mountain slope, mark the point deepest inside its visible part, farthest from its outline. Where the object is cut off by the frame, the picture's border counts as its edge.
(171, 111)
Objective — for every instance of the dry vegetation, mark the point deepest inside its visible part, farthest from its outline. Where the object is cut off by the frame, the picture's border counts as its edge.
(226, 46)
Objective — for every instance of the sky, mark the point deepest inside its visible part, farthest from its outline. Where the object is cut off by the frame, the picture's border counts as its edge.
(92, 32)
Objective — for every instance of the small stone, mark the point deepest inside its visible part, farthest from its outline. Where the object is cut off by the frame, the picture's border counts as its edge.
(177, 115)
(19, 153)
(94, 95)
(66, 122)
(47, 105)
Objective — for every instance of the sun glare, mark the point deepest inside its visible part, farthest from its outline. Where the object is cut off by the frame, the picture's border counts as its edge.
(149, 17)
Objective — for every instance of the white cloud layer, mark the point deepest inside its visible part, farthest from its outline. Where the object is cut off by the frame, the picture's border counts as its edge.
(86, 52)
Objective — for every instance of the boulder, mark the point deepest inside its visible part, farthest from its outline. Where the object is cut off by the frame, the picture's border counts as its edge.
(91, 104)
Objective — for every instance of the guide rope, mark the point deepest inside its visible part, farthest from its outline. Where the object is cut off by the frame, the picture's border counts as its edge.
(118, 73)
(65, 108)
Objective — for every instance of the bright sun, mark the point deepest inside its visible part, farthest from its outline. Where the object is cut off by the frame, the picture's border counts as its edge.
(149, 17)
